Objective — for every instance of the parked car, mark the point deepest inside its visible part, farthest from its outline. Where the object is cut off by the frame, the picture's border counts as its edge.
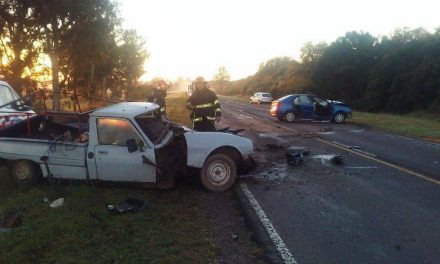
(123, 142)
(261, 98)
(11, 113)
(306, 106)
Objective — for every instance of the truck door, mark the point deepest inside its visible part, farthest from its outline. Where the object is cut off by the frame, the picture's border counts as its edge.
(113, 161)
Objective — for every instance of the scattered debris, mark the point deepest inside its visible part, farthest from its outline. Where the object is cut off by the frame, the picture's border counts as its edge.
(310, 135)
(325, 129)
(357, 130)
(234, 236)
(338, 160)
(128, 205)
(11, 220)
(335, 159)
(45, 200)
(277, 171)
(57, 203)
(274, 136)
(273, 147)
(295, 157)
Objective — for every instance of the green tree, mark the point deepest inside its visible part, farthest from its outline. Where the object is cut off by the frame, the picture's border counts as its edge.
(131, 55)
(221, 78)
(18, 39)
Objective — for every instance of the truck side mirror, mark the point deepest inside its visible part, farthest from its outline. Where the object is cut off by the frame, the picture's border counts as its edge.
(131, 145)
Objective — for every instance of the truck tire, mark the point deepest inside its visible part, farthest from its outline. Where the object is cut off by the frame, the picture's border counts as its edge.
(25, 173)
(219, 173)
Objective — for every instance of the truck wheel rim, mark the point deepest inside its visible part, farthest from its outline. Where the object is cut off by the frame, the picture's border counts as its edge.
(339, 118)
(219, 172)
(23, 172)
(290, 117)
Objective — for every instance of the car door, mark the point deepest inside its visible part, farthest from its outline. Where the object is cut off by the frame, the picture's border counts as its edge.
(322, 108)
(113, 161)
(306, 107)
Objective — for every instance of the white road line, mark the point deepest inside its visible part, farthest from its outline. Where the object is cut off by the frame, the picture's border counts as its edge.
(276, 239)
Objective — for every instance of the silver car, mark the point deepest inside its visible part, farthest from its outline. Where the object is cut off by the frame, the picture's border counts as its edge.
(261, 98)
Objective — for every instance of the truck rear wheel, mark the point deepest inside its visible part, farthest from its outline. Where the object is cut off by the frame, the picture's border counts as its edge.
(218, 173)
(25, 173)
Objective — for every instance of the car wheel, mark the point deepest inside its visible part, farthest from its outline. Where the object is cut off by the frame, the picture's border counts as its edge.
(289, 117)
(339, 118)
(218, 173)
(258, 102)
(25, 173)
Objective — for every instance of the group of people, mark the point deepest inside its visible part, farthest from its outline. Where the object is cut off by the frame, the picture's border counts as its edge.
(203, 104)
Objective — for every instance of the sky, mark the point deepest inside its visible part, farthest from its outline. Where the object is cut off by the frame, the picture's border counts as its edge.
(191, 38)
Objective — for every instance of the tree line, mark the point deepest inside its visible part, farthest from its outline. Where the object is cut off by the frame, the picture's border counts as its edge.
(87, 47)
(396, 73)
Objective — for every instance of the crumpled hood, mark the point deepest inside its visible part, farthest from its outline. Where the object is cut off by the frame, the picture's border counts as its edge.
(332, 102)
(201, 144)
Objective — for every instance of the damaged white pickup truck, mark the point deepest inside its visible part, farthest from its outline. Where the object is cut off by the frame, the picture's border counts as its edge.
(123, 142)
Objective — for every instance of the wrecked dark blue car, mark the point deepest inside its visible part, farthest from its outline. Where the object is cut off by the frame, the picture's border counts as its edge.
(307, 106)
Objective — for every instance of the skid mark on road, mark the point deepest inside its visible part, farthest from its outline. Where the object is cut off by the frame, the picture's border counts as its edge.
(276, 239)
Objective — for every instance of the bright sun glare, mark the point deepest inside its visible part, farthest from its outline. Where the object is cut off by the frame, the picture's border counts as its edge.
(194, 37)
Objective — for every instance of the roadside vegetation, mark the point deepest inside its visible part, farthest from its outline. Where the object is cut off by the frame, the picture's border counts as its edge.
(174, 228)
(398, 73)
(420, 125)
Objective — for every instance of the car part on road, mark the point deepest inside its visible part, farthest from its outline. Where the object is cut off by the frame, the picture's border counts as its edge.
(57, 203)
(219, 173)
(333, 158)
(294, 158)
(129, 205)
(338, 160)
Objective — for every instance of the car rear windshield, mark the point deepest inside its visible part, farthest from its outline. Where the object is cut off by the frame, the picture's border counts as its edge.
(152, 126)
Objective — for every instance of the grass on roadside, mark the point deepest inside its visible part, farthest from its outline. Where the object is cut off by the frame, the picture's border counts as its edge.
(420, 125)
(173, 230)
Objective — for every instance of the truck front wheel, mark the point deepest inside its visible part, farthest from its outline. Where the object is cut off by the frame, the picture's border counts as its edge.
(218, 173)
(25, 173)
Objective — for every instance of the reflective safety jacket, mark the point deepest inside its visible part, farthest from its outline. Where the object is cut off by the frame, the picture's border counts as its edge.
(204, 105)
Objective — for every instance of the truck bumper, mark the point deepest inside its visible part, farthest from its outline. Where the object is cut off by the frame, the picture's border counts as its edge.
(248, 165)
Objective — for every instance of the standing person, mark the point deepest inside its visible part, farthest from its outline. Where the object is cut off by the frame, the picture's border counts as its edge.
(204, 106)
(157, 96)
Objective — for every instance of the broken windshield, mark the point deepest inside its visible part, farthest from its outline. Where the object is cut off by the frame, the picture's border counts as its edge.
(152, 126)
(6, 95)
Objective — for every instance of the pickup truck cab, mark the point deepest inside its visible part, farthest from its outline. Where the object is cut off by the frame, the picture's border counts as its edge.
(11, 113)
(123, 142)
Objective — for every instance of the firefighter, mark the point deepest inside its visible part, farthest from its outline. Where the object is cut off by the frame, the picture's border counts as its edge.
(204, 106)
(157, 96)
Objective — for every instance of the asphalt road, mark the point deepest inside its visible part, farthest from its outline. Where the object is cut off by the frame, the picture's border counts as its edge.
(382, 206)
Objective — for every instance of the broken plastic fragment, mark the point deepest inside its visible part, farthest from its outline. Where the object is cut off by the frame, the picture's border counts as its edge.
(57, 203)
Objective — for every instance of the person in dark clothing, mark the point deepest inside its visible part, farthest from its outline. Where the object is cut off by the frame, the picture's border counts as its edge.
(157, 96)
(204, 106)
